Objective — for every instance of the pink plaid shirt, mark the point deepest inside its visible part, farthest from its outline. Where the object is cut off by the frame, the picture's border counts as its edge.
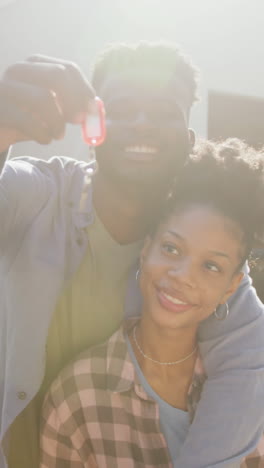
(97, 415)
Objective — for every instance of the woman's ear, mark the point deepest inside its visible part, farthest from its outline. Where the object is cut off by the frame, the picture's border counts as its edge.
(192, 138)
(237, 278)
(144, 249)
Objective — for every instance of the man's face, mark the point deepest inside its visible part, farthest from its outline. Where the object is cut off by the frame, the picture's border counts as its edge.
(147, 128)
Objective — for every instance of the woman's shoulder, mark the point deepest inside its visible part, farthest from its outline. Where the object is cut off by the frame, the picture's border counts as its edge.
(92, 367)
(80, 379)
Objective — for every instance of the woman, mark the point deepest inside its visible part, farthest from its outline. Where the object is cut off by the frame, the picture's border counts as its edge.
(130, 401)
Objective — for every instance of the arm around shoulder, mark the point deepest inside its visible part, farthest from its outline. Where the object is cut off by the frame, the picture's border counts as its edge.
(235, 343)
(229, 420)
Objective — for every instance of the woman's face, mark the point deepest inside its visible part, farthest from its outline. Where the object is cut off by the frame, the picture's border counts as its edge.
(190, 266)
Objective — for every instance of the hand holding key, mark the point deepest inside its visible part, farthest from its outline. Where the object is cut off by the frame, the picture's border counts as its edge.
(38, 97)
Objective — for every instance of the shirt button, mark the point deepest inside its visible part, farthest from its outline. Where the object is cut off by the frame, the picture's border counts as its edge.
(21, 395)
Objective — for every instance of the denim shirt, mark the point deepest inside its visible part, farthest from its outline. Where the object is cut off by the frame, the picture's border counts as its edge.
(45, 208)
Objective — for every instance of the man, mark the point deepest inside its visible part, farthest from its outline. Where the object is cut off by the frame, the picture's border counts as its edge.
(66, 250)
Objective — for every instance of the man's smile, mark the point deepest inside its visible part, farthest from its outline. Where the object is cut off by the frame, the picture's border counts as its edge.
(141, 149)
(141, 153)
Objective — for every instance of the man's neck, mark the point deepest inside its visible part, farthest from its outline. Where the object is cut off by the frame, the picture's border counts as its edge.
(127, 216)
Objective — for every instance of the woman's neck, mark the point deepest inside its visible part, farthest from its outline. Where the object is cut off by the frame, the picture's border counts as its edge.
(171, 382)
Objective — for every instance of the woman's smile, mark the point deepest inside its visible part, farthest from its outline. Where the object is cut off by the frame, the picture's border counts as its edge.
(174, 302)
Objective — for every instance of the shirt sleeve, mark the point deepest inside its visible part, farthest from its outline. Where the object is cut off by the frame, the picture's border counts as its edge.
(229, 420)
(56, 449)
(23, 190)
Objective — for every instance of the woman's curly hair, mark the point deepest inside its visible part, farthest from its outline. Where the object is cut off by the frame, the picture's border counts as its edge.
(229, 177)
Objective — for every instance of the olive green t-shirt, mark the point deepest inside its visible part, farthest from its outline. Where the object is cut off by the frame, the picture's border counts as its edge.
(89, 311)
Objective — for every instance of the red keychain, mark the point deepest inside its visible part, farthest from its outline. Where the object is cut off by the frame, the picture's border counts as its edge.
(93, 126)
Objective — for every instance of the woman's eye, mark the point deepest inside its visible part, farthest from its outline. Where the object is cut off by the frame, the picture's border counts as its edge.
(172, 249)
(212, 267)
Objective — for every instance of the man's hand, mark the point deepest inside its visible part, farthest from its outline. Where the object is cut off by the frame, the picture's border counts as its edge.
(38, 97)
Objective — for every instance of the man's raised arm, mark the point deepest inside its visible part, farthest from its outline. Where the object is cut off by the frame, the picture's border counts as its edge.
(37, 98)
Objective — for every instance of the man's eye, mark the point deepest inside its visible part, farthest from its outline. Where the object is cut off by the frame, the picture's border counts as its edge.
(115, 113)
(166, 114)
(170, 248)
(212, 267)
(122, 110)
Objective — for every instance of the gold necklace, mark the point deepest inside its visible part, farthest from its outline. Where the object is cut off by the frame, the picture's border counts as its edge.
(158, 362)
